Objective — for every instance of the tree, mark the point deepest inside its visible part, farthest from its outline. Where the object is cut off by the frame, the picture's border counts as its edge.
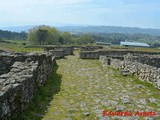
(43, 35)
(66, 37)
(85, 39)
(61, 40)
(12, 35)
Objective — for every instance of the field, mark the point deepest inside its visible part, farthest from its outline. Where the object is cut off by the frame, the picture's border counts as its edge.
(17, 46)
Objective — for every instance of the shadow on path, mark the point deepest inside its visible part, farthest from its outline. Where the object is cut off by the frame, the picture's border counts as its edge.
(42, 98)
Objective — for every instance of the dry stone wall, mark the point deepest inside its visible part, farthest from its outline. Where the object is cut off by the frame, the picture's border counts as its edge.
(152, 60)
(111, 53)
(7, 60)
(138, 67)
(60, 51)
(91, 48)
(1, 51)
(5, 63)
(18, 86)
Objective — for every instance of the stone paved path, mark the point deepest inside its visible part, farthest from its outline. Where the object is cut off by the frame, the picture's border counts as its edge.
(88, 88)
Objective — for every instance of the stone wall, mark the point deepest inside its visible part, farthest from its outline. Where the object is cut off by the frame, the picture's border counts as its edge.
(91, 48)
(152, 60)
(18, 86)
(7, 60)
(143, 71)
(111, 53)
(58, 53)
(66, 50)
(5, 63)
(1, 51)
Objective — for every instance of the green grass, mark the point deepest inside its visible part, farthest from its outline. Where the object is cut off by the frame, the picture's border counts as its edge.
(18, 42)
(136, 81)
(144, 83)
(42, 98)
(131, 48)
(17, 48)
(76, 51)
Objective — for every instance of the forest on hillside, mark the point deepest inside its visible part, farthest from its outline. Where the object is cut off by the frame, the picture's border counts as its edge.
(109, 29)
(92, 29)
(50, 35)
(8, 35)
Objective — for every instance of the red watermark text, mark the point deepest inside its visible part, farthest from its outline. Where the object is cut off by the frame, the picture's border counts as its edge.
(128, 113)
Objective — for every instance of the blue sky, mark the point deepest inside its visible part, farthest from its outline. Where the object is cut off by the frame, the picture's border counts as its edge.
(131, 13)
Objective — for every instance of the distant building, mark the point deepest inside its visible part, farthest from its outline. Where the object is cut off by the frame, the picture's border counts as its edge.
(134, 44)
(103, 43)
(115, 43)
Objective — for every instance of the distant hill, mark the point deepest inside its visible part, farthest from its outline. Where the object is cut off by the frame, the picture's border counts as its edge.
(18, 28)
(109, 29)
(94, 29)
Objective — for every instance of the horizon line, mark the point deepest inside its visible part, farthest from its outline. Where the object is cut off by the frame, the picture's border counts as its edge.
(84, 25)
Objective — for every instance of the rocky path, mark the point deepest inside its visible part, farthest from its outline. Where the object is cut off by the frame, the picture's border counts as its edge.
(87, 89)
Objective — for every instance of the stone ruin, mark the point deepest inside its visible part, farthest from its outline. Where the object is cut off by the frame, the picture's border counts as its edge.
(112, 53)
(1, 51)
(60, 52)
(20, 76)
(145, 67)
(90, 48)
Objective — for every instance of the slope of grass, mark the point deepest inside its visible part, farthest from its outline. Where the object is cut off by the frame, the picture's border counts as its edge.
(17, 48)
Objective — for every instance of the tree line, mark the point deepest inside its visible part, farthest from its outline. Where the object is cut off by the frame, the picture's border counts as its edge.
(7, 35)
(46, 35)
(49, 35)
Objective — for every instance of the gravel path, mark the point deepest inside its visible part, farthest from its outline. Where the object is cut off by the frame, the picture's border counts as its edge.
(88, 88)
